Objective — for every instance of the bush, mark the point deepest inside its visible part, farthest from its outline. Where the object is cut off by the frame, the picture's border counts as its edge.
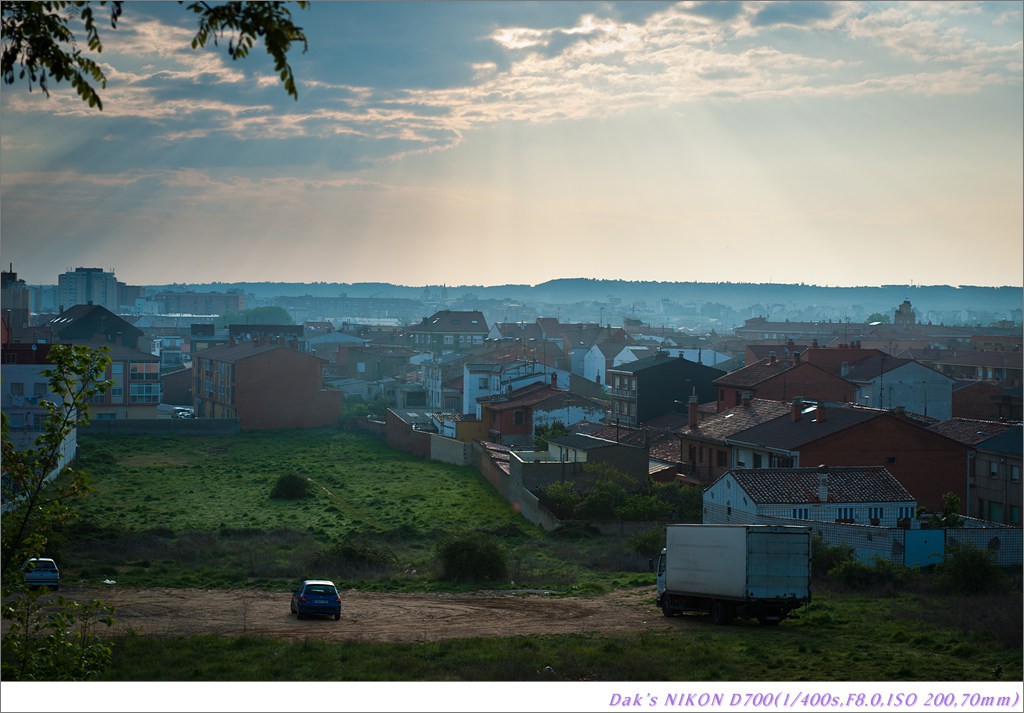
(648, 543)
(354, 556)
(968, 570)
(472, 557)
(825, 557)
(643, 507)
(560, 498)
(881, 573)
(290, 487)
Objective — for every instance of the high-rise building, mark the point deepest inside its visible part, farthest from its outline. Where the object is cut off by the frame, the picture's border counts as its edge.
(88, 285)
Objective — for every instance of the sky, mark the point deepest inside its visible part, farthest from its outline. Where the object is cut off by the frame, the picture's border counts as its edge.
(480, 143)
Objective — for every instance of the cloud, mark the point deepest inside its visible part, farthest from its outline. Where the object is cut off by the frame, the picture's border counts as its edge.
(595, 66)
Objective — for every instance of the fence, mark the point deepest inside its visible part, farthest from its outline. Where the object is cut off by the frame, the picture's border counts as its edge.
(913, 547)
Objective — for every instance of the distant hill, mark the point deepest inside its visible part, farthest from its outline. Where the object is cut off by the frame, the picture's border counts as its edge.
(575, 290)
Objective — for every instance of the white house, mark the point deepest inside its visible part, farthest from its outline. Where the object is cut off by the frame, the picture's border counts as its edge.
(480, 380)
(867, 495)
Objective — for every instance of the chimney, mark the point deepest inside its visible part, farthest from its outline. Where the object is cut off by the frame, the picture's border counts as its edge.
(819, 413)
(823, 483)
(814, 344)
(791, 345)
(554, 379)
(692, 417)
(794, 411)
(844, 369)
(796, 357)
(900, 411)
(771, 357)
(660, 355)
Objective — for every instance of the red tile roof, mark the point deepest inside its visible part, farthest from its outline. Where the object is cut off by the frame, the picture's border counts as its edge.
(863, 484)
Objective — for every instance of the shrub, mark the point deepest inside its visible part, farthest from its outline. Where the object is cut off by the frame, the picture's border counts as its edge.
(853, 574)
(643, 507)
(290, 487)
(968, 570)
(472, 557)
(825, 557)
(649, 542)
(354, 556)
(560, 498)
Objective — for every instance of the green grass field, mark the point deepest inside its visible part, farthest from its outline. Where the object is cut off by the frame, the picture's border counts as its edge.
(197, 512)
(187, 511)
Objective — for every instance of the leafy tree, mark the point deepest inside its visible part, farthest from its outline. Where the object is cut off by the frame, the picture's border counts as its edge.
(37, 38)
(560, 498)
(950, 514)
(55, 641)
(878, 317)
(542, 434)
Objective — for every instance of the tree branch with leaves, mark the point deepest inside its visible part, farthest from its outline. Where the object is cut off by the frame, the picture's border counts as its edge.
(39, 44)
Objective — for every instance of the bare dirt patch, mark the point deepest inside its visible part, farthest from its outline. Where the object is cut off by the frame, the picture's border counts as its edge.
(371, 616)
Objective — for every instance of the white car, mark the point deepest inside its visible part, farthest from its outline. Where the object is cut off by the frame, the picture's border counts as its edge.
(42, 572)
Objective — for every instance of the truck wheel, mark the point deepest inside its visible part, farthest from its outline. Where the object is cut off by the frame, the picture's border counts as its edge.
(769, 620)
(667, 610)
(721, 613)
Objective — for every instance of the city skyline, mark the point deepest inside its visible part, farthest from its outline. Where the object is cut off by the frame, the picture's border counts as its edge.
(836, 144)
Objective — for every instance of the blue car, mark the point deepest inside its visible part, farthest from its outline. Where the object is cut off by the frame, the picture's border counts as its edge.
(316, 596)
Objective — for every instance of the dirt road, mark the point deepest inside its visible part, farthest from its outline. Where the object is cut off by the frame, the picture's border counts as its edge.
(368, 616)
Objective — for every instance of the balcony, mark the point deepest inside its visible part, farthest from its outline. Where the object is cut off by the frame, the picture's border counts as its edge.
(623, 393)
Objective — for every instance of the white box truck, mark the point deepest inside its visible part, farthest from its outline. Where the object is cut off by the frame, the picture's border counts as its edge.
(758, 572)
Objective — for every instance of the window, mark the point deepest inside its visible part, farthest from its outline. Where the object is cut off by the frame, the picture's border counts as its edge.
(518, 417)
(144, 371)
(844, 514)
(993, 469)
(757, 460)
(875, 513)
(144, 394)
(904, 511)
(1015, 473)
(721, 394)
(17, 388)
(721, 458)
(449, 339)
(800, 514)
(1014, 515)
(40, 388)
(483, 382)
(38, 421)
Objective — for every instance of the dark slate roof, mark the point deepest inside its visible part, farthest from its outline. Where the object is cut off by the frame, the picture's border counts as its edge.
(754, 374)
(450, 321)
(970, 431)
(1010, 442)
(736, 419)
(581, 442)
(800, 485)
(783, 432)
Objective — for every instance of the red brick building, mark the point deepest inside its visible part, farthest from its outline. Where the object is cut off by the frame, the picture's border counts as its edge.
(781, 379)
(928, 464)
(264, 386)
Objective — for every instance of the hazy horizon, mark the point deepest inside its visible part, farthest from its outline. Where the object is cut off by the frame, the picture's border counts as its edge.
(480, 144)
